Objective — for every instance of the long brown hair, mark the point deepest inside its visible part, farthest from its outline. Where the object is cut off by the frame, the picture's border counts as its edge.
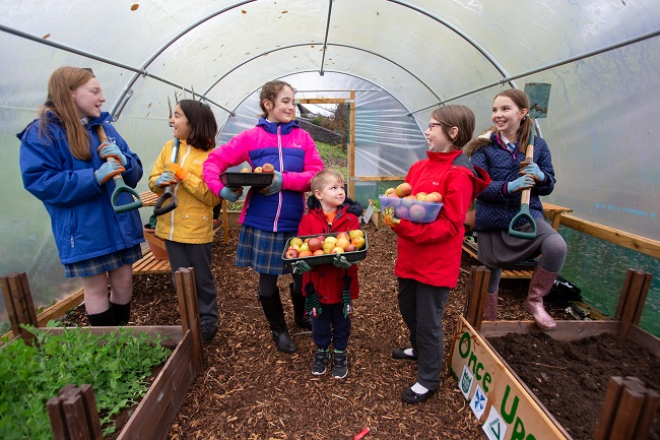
(269, 91)
(62, 82)
(523, 133)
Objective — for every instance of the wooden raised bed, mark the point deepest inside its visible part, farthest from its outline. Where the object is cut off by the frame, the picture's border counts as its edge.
(153, 417)
(506, 406)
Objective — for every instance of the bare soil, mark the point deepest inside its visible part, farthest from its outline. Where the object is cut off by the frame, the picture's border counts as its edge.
(250, 390)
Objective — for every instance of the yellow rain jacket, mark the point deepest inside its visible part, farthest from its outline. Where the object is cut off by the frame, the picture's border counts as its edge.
(192, 220)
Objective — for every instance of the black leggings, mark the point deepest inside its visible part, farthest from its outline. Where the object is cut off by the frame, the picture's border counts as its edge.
(553, 250)
(268, 284)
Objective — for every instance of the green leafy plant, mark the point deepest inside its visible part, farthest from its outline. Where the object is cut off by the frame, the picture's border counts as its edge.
(117, 365)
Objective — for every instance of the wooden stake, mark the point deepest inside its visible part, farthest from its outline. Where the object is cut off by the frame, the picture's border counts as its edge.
(74, 414)
(186, 290)
(609, 409)
(18, 300)
(477, 291)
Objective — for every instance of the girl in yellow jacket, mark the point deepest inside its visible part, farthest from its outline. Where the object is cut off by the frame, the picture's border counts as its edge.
(188, 229)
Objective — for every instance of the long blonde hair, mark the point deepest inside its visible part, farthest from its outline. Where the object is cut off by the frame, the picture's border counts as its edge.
(523, 133)
(62, 82)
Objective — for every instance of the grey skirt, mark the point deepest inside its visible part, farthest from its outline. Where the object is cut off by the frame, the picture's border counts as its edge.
(498, 249)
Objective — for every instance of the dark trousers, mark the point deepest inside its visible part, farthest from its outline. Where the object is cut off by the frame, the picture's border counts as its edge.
(422, 307)
(197, 256)
(331, 326)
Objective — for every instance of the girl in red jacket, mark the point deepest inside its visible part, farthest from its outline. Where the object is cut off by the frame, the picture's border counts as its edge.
(330, 211)
(429, 254)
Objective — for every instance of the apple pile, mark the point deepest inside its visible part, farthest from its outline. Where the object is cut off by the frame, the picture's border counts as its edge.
(351, 241)
(267, 168)
(420, 207)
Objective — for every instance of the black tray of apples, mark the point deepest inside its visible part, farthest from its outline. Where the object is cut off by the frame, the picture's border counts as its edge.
(317, 250)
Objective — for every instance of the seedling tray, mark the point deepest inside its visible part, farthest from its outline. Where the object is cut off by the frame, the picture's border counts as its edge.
(411, 209)
(246, 179)
(320, 260)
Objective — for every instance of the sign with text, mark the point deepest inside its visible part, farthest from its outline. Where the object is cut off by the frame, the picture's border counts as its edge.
(497, 399)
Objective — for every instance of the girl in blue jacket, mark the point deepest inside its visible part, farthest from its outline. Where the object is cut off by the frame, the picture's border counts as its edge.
(501, 152)
(64, 165)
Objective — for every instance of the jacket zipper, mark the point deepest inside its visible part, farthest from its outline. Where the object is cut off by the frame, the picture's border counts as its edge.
(279, 194)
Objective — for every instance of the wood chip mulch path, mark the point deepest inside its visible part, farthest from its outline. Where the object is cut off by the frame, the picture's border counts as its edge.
(250, 390)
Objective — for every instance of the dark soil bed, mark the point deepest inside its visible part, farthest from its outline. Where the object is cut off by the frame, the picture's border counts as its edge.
(570, 377)
(249, 390)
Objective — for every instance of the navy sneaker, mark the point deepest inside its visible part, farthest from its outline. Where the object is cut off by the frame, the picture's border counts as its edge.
(339, 365)
(320, 365)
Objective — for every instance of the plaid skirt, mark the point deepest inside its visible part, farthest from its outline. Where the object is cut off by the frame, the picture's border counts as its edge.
(104, 263)
(262, 250)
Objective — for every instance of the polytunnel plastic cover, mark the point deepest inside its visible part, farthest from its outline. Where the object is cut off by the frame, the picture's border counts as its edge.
(403, 58)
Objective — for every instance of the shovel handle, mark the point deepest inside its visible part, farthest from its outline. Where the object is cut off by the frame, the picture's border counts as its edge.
(168, 194)
(120, 185)
(524, 214)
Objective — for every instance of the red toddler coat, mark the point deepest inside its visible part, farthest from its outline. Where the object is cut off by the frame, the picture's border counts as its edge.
(431, 252)
(328, 279)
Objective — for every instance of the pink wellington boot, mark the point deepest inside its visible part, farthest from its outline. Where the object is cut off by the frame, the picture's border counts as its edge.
(490, 309)
(540, 286)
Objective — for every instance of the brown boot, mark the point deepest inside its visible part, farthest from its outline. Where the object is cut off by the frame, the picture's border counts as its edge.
(540, 286)
(490, 309)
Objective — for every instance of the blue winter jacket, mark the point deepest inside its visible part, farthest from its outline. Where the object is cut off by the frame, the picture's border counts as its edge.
(83, 221)
(495, 205)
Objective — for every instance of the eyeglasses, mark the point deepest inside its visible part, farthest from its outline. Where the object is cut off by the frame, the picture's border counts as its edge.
(434, 124)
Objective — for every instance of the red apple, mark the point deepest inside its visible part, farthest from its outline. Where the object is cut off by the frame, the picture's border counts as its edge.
(315, 244)
(291, 253)
(268, 168)
(401, 212)
(318, 252)
(417, 212)
(351, 248)
(321, 237)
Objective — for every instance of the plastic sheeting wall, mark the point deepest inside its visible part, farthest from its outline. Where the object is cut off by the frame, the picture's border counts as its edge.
(601, 126)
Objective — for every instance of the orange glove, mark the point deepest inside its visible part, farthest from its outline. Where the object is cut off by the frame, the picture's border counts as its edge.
(389, 218)
(178, 171)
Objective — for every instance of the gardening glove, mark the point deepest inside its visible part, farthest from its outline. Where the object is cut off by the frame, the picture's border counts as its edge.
(275, 186)
(177, 170)
(107, 149)
(346, 296)
(389, 218)
(166, 179)
(341, 262)
(300, 267)
(231, 193)
(107, 171)
(534, 170)
(521, 183)
(312, 303)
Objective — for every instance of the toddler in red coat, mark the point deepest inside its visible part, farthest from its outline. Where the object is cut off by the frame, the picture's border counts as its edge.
(330, 288)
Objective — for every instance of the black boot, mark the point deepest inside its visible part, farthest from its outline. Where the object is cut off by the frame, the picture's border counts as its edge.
(298, 301)
(275, 315)
(103, 319)
(122, 313)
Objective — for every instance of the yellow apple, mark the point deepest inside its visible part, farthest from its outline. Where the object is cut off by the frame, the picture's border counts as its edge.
(359, 242)
(303, 247)
(328, 247)
(343, 235)
(390, 192)
(343, 243)
(296, 241)
(332, 240)
(355, 233)
(337, 250)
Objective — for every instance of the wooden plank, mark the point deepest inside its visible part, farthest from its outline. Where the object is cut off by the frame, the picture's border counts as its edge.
(56, 418)
(637, 243)
(647, 416)
(628, 412)
(644, 339)
(74, 414)
(9, 304)
(609, 409)
(623, 297)
(351, 146)
(510, 406)
(565, 330)
(632, 299)
(641, 300)
(91, 411)
(153, 417)
(61, 308)
(186, 290)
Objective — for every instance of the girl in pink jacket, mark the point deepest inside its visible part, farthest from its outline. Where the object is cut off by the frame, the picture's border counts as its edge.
(270, 216)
